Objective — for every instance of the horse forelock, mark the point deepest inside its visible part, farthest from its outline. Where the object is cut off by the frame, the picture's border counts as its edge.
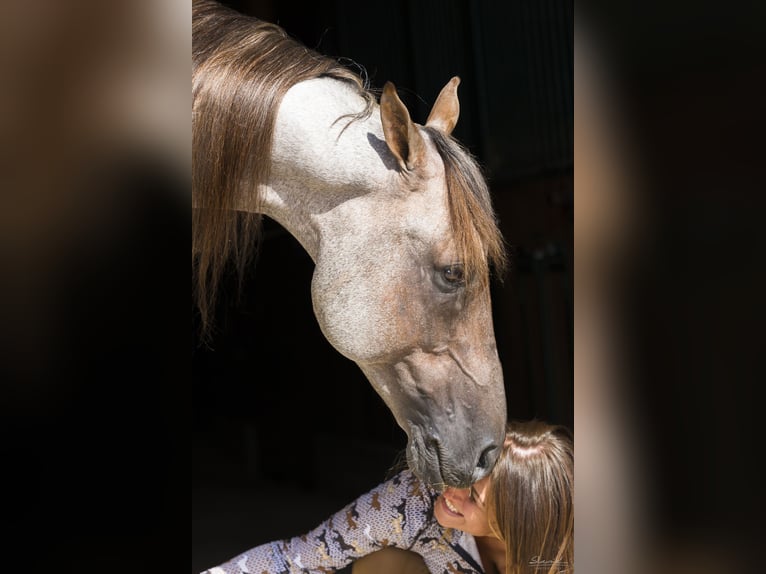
(241, 69)
(472, 217)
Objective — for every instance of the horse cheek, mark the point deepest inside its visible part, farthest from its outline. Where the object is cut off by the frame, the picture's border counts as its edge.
(344, 318)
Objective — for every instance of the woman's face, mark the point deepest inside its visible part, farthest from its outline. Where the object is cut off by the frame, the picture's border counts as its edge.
(464, 509)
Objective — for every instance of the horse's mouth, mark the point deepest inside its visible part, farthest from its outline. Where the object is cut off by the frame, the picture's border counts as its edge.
(427, 460)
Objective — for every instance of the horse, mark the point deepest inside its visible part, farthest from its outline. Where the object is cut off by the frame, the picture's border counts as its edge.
(396, 217)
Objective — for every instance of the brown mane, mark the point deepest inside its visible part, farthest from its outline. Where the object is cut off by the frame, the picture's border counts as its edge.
(472, 216)
(241, 69)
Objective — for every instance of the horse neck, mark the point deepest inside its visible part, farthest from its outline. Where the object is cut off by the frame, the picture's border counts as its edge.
(321, 159)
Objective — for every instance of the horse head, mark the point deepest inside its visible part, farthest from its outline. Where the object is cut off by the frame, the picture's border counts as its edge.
(401, 287)
(396, 217)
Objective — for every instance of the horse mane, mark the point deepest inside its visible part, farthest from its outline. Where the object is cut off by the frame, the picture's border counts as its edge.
(241, 69)
(472, 217)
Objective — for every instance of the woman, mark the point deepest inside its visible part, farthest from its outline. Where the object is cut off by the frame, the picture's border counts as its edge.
(518, 519)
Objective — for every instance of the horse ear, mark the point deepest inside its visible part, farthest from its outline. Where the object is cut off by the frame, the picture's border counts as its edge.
(446, 109)
(402, 135)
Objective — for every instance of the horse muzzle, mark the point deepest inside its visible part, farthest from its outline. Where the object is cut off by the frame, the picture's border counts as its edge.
(454, 417)
(456, 456)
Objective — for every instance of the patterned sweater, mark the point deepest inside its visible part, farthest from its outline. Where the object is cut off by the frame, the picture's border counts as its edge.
(396, 513)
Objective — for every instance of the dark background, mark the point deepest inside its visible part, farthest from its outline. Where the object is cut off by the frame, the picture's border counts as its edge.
(285, 429)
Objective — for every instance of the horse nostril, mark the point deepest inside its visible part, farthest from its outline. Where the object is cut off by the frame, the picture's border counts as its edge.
(486, 458)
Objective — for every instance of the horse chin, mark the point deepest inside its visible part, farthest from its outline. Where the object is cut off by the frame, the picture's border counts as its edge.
(421, 463)
(430, 463)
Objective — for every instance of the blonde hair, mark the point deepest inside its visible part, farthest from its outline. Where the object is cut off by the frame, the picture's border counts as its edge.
(530, 500)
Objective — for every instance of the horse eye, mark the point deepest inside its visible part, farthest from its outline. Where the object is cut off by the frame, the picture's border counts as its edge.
(449, 279)
(453, 274)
